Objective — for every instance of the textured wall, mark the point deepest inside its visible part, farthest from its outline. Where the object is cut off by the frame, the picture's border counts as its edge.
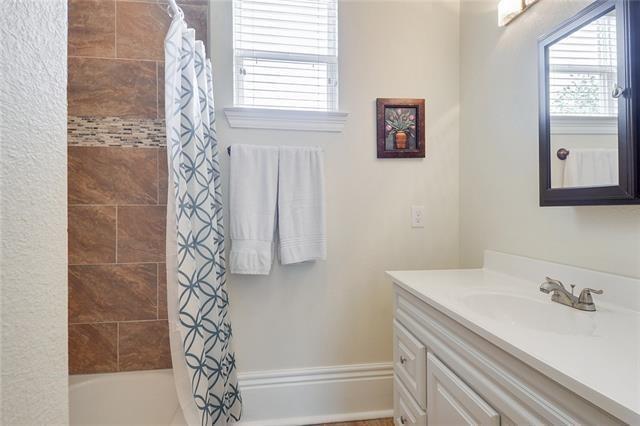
(340, 311)
(117, 183)
(499, 153)
(33, 222)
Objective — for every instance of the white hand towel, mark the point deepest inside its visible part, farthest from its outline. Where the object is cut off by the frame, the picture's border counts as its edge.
(590, 167)
(252, 203)
(301, 205)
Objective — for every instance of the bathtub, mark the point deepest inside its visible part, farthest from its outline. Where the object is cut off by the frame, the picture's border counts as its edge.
(270, 398)
(135, 398)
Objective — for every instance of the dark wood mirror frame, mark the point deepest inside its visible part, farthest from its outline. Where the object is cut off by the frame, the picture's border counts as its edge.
(628, 41)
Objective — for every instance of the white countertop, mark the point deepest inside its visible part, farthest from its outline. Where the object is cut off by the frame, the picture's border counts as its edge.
(594, 354)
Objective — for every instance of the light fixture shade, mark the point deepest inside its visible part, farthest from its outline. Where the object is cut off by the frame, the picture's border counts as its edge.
(509, 9)
(528, 3)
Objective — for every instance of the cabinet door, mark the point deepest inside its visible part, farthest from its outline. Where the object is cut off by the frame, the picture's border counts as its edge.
(410, 363)
(405, 410)
(451, 402)
(588, 107)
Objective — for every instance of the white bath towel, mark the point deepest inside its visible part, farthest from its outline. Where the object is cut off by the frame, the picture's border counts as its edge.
(301, 205)
(590, 167)
(252, 203)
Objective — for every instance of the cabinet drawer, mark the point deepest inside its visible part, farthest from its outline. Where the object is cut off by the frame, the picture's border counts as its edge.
(452, 402)
(409, 363)
(405, 410)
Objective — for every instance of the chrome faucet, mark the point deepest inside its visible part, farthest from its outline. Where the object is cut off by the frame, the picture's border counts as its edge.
(561, 295)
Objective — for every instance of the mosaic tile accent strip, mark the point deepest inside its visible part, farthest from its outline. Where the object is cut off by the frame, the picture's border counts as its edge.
(115, 131)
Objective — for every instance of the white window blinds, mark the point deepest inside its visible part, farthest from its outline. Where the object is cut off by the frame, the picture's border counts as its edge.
(582, 71)
(286, 54)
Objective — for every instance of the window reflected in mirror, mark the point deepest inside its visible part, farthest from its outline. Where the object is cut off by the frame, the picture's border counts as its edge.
(583, 97)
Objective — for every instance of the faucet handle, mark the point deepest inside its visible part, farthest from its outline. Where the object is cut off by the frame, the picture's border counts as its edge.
(585, 295)
(554, 281)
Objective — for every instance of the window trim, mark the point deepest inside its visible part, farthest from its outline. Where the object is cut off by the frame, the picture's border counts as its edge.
(285, 119)
(583, 125)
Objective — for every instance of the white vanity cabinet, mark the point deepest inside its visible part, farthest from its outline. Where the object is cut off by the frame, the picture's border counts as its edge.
(452, 402)
(446, 374)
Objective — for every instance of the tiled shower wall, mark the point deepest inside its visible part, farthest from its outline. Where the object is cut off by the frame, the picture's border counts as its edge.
(117, 183)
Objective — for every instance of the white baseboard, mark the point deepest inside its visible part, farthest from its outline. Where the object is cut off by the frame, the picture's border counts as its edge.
(317, 395)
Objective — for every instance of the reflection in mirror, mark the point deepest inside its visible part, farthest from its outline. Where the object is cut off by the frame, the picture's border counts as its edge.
(583, 106)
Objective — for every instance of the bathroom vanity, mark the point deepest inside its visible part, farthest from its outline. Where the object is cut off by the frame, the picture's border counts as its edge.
(485, 346)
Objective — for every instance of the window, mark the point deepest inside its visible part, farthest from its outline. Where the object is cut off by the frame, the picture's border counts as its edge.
(582, 71)
(286, 54)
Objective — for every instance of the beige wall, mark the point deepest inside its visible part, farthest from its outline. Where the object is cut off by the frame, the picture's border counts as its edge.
(339, 311)
(499, 153)
(33, 218)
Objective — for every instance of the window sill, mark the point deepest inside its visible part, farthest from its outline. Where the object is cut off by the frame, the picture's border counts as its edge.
(584, 125)
(280, 119)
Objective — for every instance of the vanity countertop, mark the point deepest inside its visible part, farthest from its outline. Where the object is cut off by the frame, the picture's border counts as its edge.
(594, 354)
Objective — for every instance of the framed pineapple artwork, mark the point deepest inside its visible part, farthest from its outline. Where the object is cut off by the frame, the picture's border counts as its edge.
(400, 128)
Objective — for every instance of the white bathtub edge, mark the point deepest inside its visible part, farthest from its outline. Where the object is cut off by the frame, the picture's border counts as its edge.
(270, 398)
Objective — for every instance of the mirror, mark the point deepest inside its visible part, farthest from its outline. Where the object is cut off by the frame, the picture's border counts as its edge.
(587, 137)
(583, 106)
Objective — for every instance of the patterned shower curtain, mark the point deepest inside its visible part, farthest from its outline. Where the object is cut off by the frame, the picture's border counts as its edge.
(200, 327)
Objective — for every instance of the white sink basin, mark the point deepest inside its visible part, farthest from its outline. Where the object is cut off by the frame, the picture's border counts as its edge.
(531, 313)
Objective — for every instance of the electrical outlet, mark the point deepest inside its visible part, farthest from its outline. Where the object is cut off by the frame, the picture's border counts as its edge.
(417, 216)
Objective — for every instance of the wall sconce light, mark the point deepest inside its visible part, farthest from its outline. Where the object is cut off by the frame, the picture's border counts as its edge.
(508, 10)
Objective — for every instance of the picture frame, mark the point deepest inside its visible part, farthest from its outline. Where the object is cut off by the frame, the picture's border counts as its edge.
(400, 128)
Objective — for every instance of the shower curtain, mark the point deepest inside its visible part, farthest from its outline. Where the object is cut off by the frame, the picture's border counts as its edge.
(199, 324)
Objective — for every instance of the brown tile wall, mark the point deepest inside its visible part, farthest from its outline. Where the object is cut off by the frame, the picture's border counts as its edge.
(117, 286)
(117, 194)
